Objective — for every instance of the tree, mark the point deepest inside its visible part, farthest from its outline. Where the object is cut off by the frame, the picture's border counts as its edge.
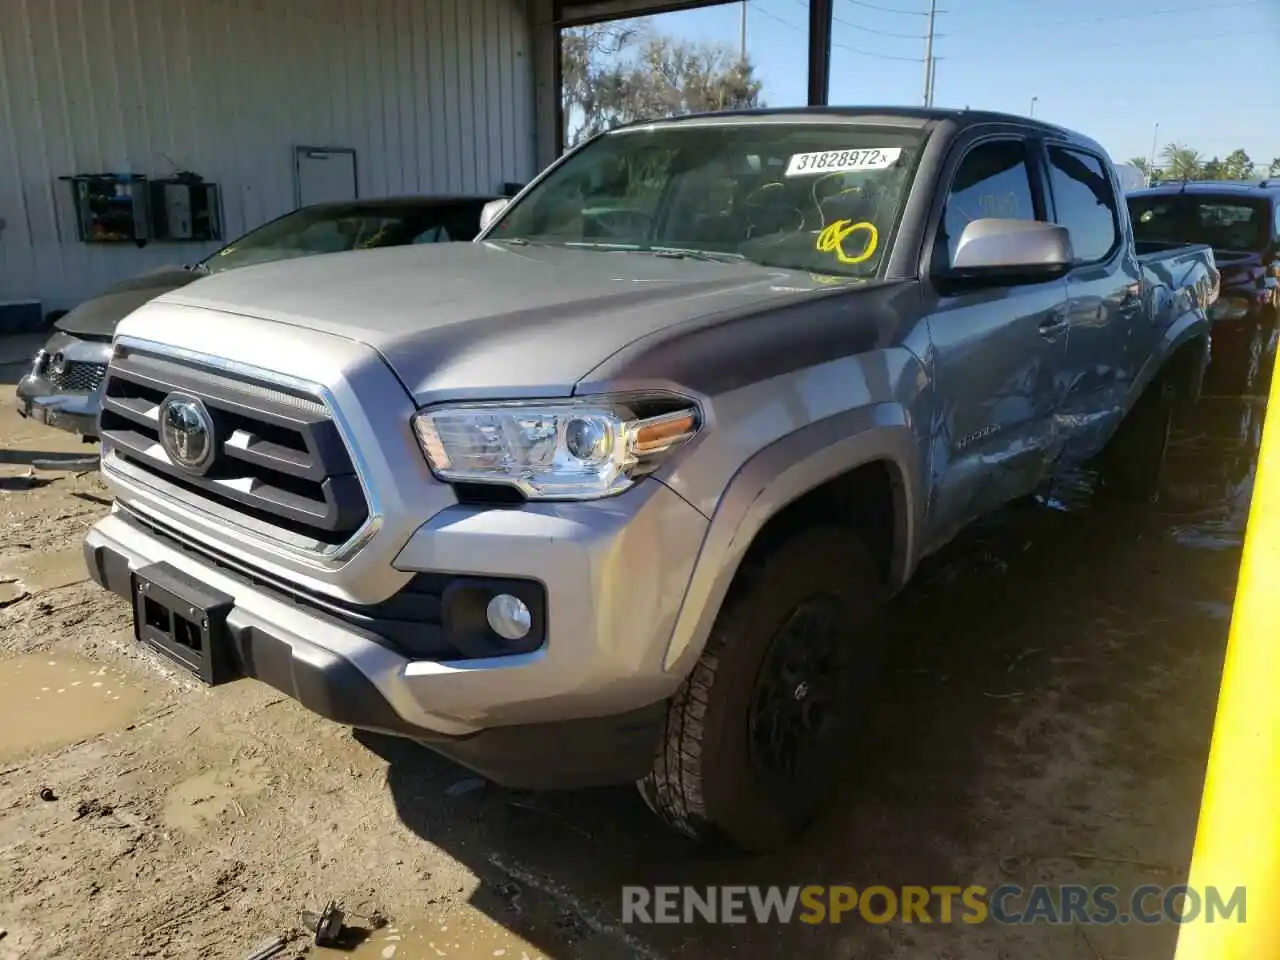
(1142, 163)
(1181, 162)
(1275, 167)
(587, 77)
(1238, 166)
(617, 73)
(1215, 169)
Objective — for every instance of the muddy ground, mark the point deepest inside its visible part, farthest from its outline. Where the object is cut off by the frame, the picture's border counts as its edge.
(1046, 719)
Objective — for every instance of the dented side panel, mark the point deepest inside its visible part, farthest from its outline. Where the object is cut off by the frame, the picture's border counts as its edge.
(999, 358)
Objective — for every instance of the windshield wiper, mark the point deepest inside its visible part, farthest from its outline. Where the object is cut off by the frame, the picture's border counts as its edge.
(708, 256)
(605, 246)
(671, 253)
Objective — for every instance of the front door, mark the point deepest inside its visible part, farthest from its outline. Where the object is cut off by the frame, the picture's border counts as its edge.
(998, 354)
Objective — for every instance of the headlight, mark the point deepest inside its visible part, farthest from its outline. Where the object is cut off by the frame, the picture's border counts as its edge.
(39, 362)
(571, 450)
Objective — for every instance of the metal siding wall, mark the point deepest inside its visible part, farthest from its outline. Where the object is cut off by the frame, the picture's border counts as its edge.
(435, 96)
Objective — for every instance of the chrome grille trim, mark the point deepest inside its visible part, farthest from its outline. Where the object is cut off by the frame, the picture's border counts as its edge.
(314, 553)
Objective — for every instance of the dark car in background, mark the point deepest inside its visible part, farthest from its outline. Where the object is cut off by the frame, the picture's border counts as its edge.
(61, 388)
(1240, 221)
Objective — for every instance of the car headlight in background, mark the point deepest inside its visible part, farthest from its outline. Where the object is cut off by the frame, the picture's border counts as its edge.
(568, 450)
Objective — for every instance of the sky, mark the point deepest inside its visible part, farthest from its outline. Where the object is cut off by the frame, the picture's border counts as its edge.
(1208, 73)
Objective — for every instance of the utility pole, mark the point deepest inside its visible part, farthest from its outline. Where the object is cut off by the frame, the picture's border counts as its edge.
(1034, 100)
(742, 34)
(1151, 163)
(928, 55)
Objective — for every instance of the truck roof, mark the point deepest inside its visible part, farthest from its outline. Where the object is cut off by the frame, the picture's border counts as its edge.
(918, 117)
(1220, 187)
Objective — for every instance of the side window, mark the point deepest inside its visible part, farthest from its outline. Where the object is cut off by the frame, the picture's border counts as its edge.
(1085, 202)
(993, 180)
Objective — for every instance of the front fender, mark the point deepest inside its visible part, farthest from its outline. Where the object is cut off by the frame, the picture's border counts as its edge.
(779, 475)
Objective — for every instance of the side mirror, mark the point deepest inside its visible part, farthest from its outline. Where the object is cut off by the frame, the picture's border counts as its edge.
(1011, 251)
(491, 212)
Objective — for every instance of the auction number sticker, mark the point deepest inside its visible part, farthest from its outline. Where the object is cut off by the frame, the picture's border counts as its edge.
(843, 161)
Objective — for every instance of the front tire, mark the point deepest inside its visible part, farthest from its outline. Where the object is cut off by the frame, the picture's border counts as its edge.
(759, 733)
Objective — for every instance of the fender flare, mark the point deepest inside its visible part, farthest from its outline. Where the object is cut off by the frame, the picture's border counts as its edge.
(777, 476)
(1191, 325)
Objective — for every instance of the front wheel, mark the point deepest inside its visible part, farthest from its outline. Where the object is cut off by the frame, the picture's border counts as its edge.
(759, 733)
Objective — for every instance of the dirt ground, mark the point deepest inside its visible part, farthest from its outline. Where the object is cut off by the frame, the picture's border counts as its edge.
(1046, 719)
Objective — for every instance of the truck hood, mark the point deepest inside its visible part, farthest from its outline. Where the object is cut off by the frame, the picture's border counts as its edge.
(98, 317)
(459, 320)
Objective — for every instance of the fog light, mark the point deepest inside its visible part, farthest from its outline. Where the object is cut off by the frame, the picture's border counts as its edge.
(508, 617)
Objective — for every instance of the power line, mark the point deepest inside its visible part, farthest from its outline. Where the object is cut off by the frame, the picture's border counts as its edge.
(857, 26)
(882, 33)
(882, 9)
(842, 46)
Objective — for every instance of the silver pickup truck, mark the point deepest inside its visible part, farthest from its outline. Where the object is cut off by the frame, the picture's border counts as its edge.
(619, 490)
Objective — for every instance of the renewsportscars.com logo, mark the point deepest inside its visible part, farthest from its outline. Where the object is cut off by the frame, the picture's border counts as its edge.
(1008, 904)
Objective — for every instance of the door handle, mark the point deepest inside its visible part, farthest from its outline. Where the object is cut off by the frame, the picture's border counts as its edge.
(1053, 324)
(1131, 305)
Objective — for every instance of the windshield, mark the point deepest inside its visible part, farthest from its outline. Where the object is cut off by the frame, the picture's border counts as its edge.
(339, 228)
(822, 197)
(1224, 223)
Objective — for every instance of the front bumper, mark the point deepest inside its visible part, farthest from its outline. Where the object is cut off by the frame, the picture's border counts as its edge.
(39, 400)
(68, 399)
(586, 708)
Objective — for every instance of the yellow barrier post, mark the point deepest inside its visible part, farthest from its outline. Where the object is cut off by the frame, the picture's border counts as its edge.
(1238, 836)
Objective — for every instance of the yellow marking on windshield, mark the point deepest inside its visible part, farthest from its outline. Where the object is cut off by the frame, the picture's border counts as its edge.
(831, 240)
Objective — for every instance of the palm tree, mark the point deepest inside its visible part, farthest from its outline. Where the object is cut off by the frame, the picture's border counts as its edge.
(1142, 164)
(1181, 162)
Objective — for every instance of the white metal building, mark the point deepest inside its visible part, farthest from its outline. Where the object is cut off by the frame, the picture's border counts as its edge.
(404, 95)
(432, 95)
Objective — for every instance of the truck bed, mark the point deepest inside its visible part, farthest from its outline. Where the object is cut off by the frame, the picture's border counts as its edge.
(1168, 267)
(1151, 250)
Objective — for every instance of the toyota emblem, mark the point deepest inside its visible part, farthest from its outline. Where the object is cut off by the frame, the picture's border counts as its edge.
(187, 432)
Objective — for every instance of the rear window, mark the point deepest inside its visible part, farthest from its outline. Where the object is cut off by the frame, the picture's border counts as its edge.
(1224, 223)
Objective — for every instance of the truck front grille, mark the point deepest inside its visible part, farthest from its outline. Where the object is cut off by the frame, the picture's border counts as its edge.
(81, 376)
(277, 454)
